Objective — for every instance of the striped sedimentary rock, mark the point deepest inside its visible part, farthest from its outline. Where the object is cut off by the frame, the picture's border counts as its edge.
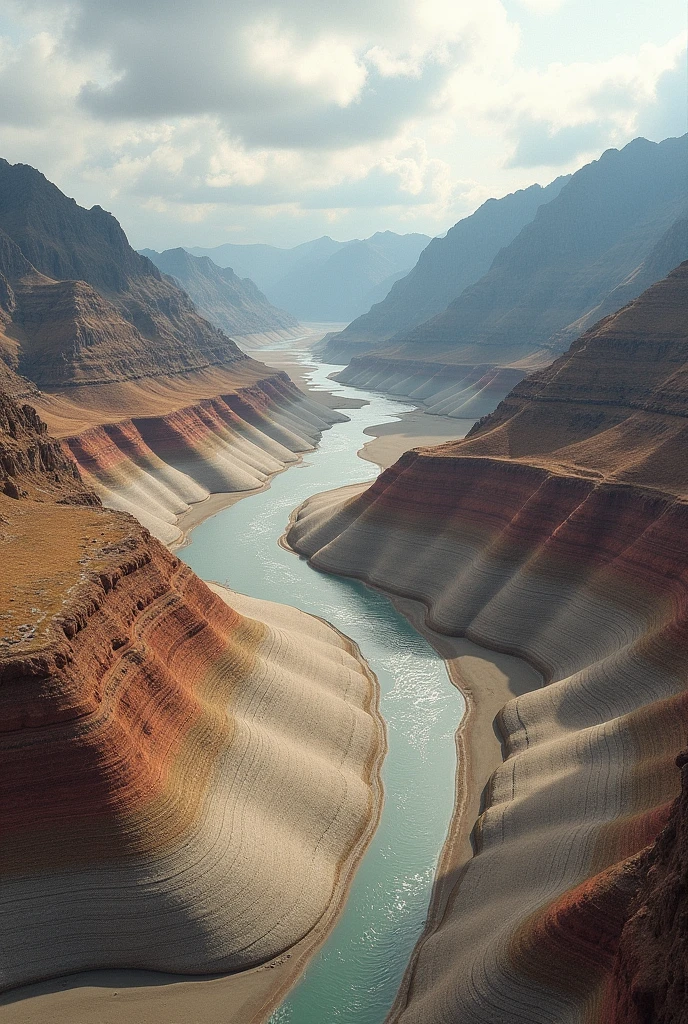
(464, 392)
(589, 582)
(184, 781)
(156, 466)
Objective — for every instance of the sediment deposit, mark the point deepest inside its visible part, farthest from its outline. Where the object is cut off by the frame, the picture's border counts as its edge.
(186, 775)
(464, 392)
(555, 531)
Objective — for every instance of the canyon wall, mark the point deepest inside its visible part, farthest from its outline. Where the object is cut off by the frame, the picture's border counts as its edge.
(187, 775)
(234, 305)
(156, 466)
(555, 531)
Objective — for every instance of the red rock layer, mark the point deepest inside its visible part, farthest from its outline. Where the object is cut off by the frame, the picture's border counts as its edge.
(183, 787)
(103, 709)
(649, 981)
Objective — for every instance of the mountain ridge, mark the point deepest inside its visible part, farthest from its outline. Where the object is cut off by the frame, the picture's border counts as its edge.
(116, 316)
(577, 249)
(234, 305)
(444, 268)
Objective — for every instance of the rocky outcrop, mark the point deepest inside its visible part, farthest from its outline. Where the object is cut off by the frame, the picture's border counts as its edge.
(464, 392)
(234, 305)
(444, 268)
(649, 976)
(555, 532)
(34, 464)
(186, 775)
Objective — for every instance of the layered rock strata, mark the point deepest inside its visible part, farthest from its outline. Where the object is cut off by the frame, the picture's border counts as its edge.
(186, 775)
(157, 466)
(555, 532)
(464, 392)
(84, 306)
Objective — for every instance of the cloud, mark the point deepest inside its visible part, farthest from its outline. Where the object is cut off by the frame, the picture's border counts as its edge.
(667, 114)
(538, 145)
(227, 115)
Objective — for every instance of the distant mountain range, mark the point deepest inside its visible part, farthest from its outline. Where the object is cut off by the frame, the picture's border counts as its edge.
(595, 245)
(323, 280)
(233, 304)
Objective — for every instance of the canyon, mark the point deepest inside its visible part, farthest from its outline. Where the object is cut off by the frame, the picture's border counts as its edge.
(157, 406)
(553, 532)
(192, 776)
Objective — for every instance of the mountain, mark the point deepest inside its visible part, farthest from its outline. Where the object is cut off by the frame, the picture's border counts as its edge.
(323, 280)
(79, 305)
(267, 264)
(670, 250)
(232, 304)
(582, 245)
(336, 288)
(444, 268)
(554, 535)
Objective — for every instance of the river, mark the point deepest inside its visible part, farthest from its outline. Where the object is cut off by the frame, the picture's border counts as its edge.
(354, 977)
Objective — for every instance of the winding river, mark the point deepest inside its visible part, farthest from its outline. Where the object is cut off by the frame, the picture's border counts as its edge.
(354, 977)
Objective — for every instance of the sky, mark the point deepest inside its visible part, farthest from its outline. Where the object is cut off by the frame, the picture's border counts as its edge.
(198, 122)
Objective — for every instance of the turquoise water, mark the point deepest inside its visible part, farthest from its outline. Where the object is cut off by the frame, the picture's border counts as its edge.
(355, 976)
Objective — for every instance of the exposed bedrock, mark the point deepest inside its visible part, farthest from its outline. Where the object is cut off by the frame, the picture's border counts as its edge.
(586, 580)
(464, 392)
(156, 466)
(186, 776)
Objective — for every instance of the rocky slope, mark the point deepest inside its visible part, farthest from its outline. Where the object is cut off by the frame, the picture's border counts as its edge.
(233, 435)
(443, 389)
(579, 247)
(187, 775)
(71, 271)
(556, 532)
(234, 305)
(444, 268)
